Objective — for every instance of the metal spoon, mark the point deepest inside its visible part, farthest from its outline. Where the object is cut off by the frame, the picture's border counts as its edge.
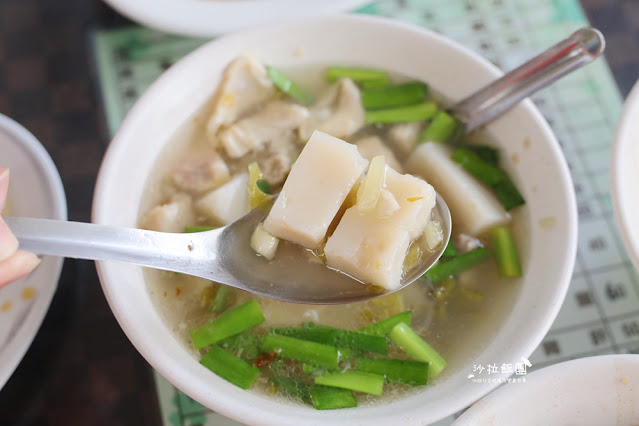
(224, 255)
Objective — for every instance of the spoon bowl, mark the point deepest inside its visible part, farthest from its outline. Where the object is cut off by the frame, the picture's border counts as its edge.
(223, 255)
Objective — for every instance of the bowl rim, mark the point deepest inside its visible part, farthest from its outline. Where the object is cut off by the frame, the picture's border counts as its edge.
(619, 168)
(25, 334)
(212, 18)
(549, 310)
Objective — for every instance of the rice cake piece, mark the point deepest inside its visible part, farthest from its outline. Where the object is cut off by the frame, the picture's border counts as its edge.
(315, 189)
(474, 208)
(371, 246)
(227, 203)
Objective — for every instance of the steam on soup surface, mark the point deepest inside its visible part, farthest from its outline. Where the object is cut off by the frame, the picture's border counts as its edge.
(241, 147)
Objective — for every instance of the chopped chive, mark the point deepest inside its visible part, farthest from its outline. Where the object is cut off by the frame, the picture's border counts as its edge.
(442, 128)
(365, 77)
(301, 350)
(486, 153)
(293, 387)
(232, 322)
(394, 96)
(330, 398)
(324, 335)
(508, 194)
(222, 297)
(287, 86)
(384, 327)
(414, 373)
(361, 381)
(419, 112)
(193, 229)
(456, 265)
(449, 251)
(480, 169)
(245, 345)
(505, 252)
(229, 367)
(416, 348)
(337, 337)
(264, 186)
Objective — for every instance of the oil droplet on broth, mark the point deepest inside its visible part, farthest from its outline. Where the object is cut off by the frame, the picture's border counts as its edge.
(28, 293)
(6, 306)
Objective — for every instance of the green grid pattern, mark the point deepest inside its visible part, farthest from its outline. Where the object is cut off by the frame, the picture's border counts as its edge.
(601, 311)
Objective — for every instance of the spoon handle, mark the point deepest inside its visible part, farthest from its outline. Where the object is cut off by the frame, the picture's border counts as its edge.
(175, 252)
(581, 48)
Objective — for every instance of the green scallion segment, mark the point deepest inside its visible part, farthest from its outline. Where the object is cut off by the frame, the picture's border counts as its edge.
(232, 322)
(363, 342)
(491, 175)
(480, 169)
(193, 229)
(230, 367)
(505, 252)
(361, 381)
(508, 194)
(486, 153)
(414, 373)
(394, 96)
(293, 387)
(449, 251)
(287, 86)
(442, 128)
(330, 398)
(365, 77)
(456, 265)
(264, 186)
(419, 112)
(416, 348)
(245, 345)
(301, 350)
(222, 297)
(384, 327)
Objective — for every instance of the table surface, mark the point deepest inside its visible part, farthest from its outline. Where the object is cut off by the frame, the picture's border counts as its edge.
(81, 369)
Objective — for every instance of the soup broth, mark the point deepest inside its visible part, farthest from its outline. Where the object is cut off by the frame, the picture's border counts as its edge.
(457, 322)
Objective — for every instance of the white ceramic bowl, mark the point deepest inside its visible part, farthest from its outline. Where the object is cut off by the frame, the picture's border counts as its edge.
(541, 173)
(625, 175)
(35, 190)
(206, 18)
(598, 390)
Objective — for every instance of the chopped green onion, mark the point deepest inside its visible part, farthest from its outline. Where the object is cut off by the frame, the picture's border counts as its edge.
(264, 186)
(414, 373)
(230, 367)
(365, 77)
(361, 381)
(394, 96)
(384, 327)
(364, 342)
(416, 348)
(505, 252)
(419, 112)
(293, 387)
(449, 251)
(480, 169)
(330, 398)
(232, 322)
(456, 265)
(443, 128)
(486, 153)
(222, 297)
(301, 350)
(288, 87)
(193, 229)
(245, 345)
(508, 194)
